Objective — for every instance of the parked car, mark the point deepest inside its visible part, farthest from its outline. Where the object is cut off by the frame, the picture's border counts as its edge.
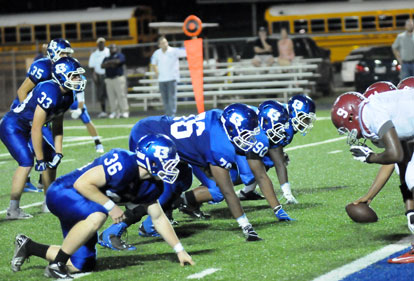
(306, 48)
(377, 64)
(349, 64)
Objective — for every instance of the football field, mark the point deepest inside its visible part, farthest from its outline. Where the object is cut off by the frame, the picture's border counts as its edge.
(323, 176)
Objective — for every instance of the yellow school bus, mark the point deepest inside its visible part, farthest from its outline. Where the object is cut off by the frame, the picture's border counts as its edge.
(342, 26)
(122, 26)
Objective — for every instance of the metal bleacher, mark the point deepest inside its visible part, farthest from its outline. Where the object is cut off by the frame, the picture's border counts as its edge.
(230, 82)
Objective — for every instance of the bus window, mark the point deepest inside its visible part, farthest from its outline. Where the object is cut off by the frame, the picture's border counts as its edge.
(25, 34)
(101, 29)
(86, 31)
(401, 19)
(40, 32)
(385, 21)
(55, 31)
(10, 34)
(278, 25)
(351, 23)
(334, 24)
(368, 22)
(301, 26)
(71, 31)
(120, 28)
(318, 25)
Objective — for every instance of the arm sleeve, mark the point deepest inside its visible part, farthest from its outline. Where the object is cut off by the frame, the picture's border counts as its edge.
(80, 96)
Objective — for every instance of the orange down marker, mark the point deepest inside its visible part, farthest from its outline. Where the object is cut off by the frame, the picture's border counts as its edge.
(194, 48)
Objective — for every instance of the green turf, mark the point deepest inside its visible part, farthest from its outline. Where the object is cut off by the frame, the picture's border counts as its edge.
(322, 238)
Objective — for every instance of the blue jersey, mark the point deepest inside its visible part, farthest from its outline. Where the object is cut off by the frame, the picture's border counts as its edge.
(200, 139)
(65, 202)
(49, 97)
(39, 71)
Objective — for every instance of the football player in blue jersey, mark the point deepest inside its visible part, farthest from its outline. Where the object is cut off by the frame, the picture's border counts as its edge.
(280, 126)
(78, 199)
(41, 70)
(111, 237)
(209, 140)
(21, 129)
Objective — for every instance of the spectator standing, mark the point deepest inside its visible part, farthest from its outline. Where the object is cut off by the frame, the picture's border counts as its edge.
(115, 82)
(98, 74)
(285, 48)
(165, 63)
(403, 48)
(263, 50)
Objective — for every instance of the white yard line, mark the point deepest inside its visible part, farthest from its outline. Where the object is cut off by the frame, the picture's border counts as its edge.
(359, 264)
(314, 144)
(335, 151)
(99, 127)
(203, 273)
(25, 206)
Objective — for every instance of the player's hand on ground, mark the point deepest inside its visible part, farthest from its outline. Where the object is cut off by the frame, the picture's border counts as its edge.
(185, 258)
(117, 214)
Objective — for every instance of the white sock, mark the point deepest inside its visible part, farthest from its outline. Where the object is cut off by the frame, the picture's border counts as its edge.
(14, 204)
(286, 188)
(250, 187)
(243, 221)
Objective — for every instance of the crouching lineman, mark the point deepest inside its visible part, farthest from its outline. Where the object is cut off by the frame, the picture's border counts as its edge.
(387, 120)
(76, 199)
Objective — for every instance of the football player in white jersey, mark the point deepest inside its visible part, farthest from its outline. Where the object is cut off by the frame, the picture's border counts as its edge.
(388, 121)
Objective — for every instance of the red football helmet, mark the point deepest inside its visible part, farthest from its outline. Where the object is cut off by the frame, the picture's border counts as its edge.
(379, 87)
(345, 115)
(407, 83)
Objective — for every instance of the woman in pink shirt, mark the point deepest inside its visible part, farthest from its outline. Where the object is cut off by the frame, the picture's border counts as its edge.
(285, 47)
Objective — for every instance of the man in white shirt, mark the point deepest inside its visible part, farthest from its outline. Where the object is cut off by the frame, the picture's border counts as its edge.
(165, 63)
(388, 121)
(95, 62)
(403, 48)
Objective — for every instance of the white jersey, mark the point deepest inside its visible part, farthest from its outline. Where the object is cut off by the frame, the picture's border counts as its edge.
(386, 110)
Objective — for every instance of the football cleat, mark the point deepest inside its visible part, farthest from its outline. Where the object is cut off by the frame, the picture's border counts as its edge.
(251, 195)
(281, 215)
(57, 270)
(29, 187)
(99, 148)
(250, 233)
(17, 214)
(194, 212)
(147, 233)
(404, 258)
(169, 215)
(20, 253)
(111, 238)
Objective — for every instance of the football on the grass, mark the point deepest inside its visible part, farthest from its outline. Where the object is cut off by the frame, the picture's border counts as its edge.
(361, 213)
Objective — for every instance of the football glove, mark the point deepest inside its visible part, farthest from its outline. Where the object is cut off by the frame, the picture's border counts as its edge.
(410, 218)
(75, 113)
(40, 165)
(281, 215)
(56, 161)
(361, 152)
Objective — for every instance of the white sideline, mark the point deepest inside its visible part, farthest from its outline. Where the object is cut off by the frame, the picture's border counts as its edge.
(203, 273)
(359, 264)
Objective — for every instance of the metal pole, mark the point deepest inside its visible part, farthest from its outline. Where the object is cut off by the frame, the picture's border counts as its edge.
(254, 19)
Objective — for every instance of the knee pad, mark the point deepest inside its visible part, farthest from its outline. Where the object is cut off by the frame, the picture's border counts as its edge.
(409, 175)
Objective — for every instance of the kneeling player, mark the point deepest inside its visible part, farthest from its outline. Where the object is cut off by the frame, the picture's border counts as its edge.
(82, 208)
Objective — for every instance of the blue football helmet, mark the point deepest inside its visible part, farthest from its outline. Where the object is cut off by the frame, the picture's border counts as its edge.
(241, 125)
(56, 47)
(302, 113)
(273, 118)
(67, 72)
(158, 155)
